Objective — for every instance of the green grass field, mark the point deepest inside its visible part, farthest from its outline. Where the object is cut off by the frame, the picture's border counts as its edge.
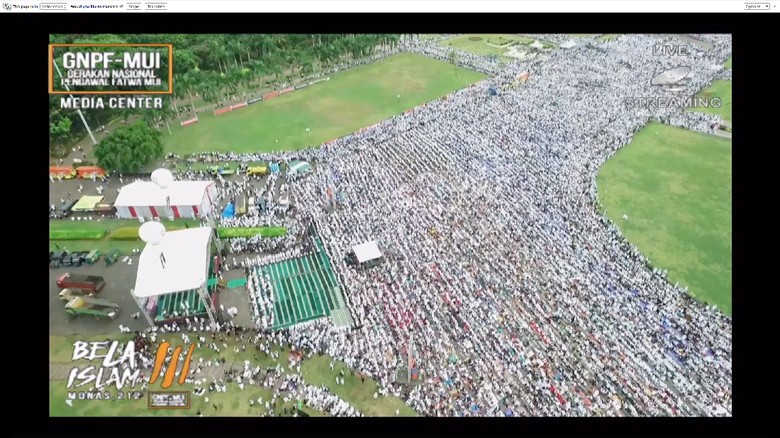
(351, 100)
(235, 402)
(721, 89)
(728, 63)
(481, 47)
(675, 187)
(105, 245)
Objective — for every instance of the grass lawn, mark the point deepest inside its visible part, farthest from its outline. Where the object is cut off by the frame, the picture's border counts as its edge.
(728, 63)
(105, 245)
(608, 37)
(351, 100)
(235, 402)
(721, 89)
(675, 187)
(316, 371)
(467, 43)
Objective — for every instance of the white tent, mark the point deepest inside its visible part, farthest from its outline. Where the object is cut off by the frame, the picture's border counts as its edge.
(178, 263)
(568, 44)
(180, 199)
(537, 45)
(367, 251)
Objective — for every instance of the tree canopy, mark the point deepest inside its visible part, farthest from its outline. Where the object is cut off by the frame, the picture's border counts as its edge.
(129, 148)
(217, 68)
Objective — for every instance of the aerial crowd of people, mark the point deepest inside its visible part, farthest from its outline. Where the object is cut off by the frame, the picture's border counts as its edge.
(508, 288)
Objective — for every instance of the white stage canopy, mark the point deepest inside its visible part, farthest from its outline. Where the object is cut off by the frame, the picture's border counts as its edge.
(178, 263)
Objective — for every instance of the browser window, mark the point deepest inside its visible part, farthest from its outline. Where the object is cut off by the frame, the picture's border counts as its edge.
(388, 208)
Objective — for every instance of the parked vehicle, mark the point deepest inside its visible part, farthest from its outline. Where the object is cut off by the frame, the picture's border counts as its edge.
(56, 257)
(68, 294)
(80, 257)
(63, 172)
(111, 257)
(257, 170)
(92, 306)
(67, 207)
(87, 172)
(87, 282)
(216, 170)
(93, 256)
(105, 209)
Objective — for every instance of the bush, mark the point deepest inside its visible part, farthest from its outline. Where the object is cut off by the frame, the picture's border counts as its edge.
(499, 41)
(230, 233)
(125, 233)
(55, 234)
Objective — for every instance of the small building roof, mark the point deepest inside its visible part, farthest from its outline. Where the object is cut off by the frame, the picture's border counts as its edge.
(186, 253)
(537, 45)
(87, 203)
(147, 193)
(367, 251)
(297, 166)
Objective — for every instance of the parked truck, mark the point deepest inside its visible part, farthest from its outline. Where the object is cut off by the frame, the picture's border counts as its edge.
(92, 306)
(68, 294)
(92, 283)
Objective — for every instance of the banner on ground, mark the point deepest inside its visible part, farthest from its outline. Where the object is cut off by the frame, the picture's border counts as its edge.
(239, 105)
(222, 110)
(189, 122)
(255, 100)
(287, 90)
(302, 86)
(271, 95)
(317, 81)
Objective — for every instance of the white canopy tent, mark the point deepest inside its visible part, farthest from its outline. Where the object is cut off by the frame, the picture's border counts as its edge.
(177, 262)
(182, 198)
(367, 251)
(186, 260)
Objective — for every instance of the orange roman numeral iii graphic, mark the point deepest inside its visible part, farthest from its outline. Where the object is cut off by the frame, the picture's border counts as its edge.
(170, 372)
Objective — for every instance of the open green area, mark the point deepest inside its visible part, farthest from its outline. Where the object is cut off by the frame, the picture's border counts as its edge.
(350, 100)
(229, 233)
(728, 63)
(115, 229)
(88, 235)
(674, 186)
(316, 371)
(722, 90)
(608, 37)
(480, 44)
(235, 402)
(122, 234)
(106, 245)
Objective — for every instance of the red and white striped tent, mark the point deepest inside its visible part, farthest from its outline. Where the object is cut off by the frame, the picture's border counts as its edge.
(182, 199)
